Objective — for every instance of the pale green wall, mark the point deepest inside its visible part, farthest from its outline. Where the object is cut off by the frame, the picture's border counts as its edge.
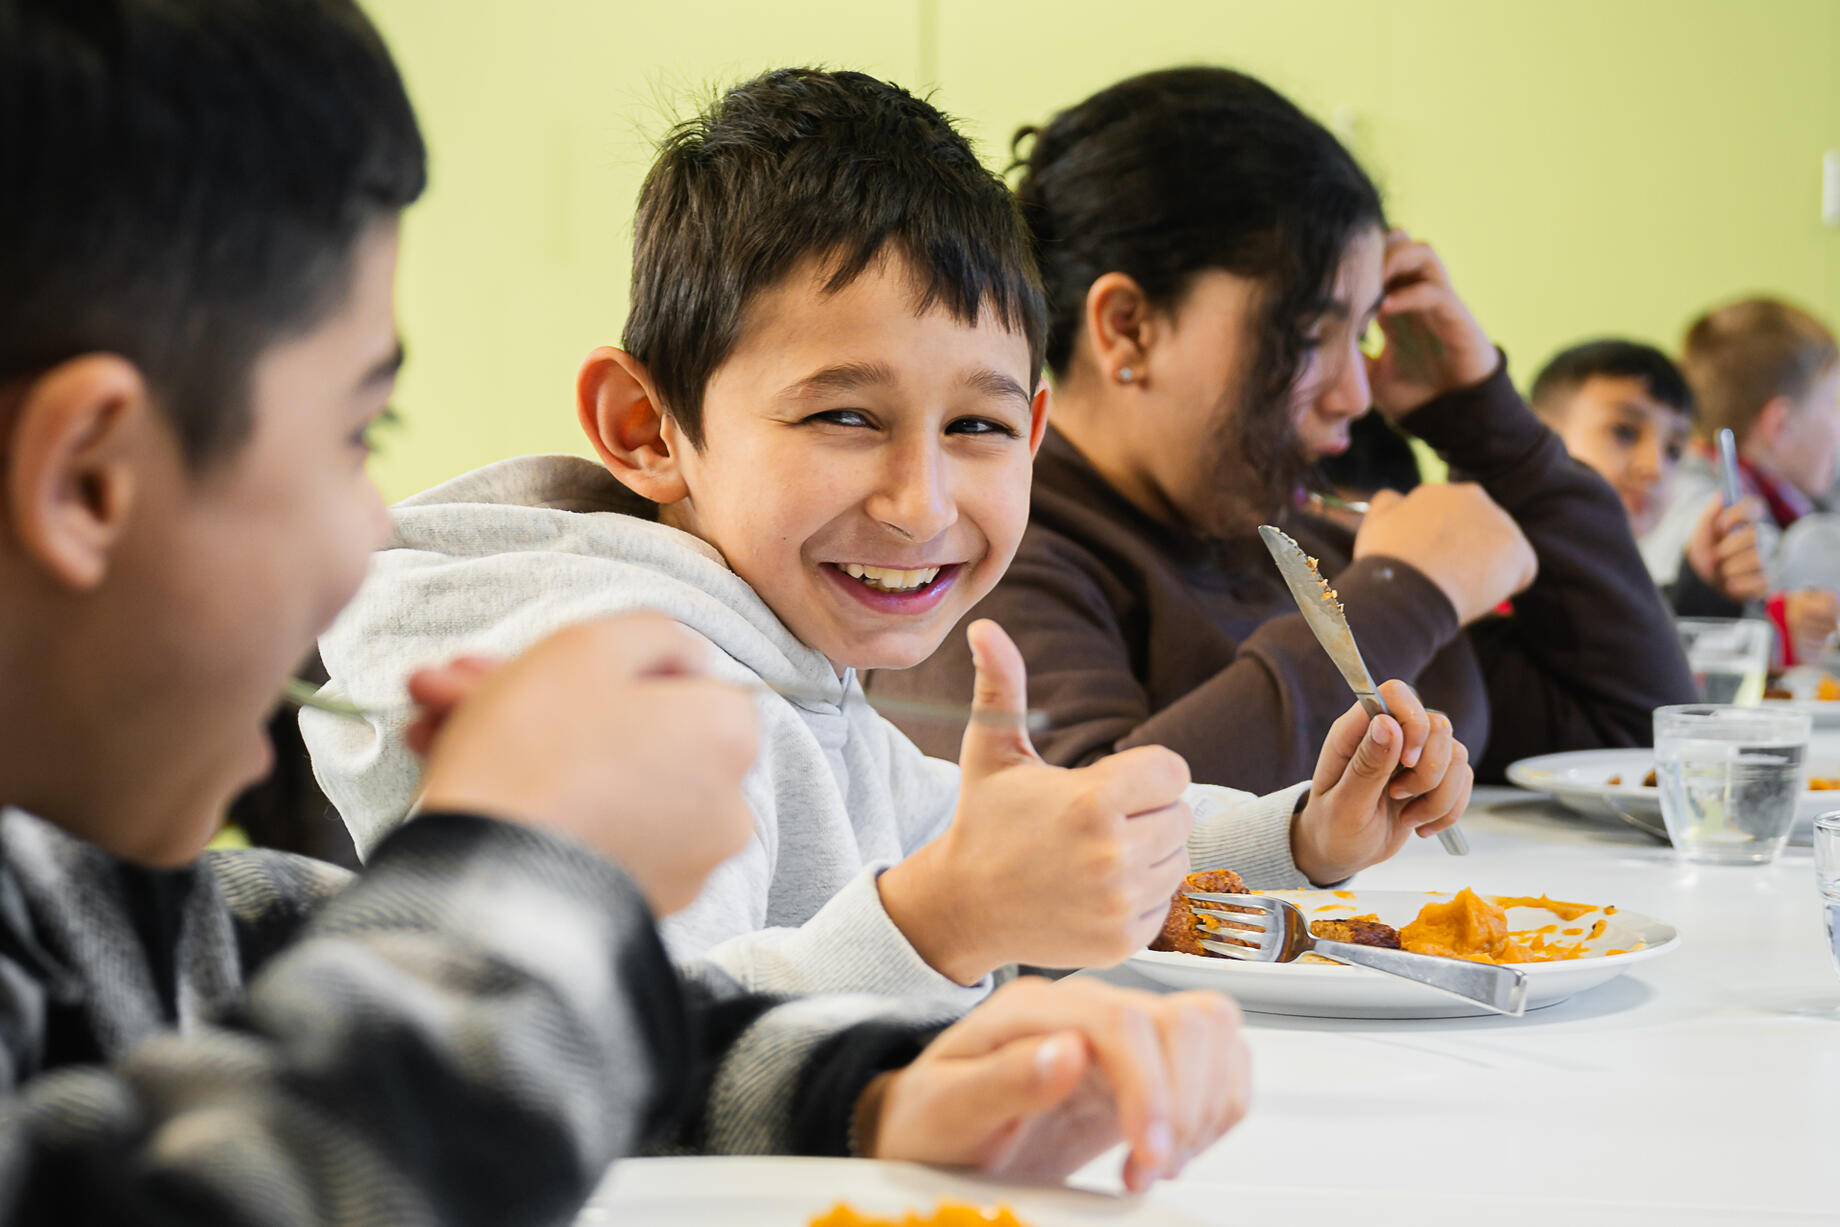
(1583, 167)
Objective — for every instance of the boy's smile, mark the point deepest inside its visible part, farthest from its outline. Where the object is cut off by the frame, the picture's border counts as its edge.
(864, 468)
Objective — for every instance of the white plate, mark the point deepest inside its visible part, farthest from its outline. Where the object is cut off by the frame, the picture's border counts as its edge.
(1323, 990)
(721, 1192)
(1801, 682)
(1578, 779)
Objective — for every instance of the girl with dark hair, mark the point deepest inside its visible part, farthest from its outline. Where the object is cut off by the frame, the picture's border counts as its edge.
(1213, 259)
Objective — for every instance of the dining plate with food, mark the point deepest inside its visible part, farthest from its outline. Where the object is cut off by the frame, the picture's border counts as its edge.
(1564, 947)
(1620, 785)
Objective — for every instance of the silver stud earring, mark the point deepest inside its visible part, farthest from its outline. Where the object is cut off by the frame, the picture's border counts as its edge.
(1125, 374)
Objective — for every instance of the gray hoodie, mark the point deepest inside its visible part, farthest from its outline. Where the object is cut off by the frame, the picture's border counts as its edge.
(495, 559)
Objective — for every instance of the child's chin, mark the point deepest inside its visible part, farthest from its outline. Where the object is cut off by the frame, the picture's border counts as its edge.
(904, 653)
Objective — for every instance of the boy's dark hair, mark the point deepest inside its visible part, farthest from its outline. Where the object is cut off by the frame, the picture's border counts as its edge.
(184, 181)
(1166, 175)
(1745, 354)
(803, 162)
(1610, 358)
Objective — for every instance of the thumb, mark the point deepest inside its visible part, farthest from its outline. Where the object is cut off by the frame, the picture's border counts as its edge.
(1384, 499)
(997, 735)
(1377, 757)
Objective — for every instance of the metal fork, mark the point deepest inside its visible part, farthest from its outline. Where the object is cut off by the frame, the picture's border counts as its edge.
(1277, 932)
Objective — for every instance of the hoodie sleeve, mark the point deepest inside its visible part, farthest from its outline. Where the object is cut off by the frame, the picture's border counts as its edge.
(468, 1034)
(1247, 834)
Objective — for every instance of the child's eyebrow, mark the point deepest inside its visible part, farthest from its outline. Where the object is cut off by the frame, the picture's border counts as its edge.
(994, 383)
(843, 377)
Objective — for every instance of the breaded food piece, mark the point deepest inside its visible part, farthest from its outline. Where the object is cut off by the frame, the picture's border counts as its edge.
(1357, 931)
(1182, 931)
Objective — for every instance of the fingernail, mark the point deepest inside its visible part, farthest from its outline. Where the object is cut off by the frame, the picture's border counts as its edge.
(1048, 1056)
(1382, 734)
(1399, 792)
(1160, 1141)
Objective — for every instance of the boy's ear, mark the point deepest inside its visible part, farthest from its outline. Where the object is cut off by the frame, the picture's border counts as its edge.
(633, 436)
(1038, 414)
(1120, 328)
(70, 459)
(1772, 418)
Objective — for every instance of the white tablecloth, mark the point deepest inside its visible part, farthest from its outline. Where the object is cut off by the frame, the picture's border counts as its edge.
(1702, 1087)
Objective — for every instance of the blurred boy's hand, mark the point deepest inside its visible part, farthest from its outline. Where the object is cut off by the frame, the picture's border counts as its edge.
(1434, 345)
(1811, 615)
(608, 732)
(1348, 823)
(1458, 537)
(1723, 551)
(1045, 1076)
(1042, 865)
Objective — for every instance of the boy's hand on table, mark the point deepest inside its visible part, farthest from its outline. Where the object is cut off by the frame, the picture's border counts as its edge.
(1042, 865)
(1458, 537)
(1348, 823)
(609, 732)
(1723, 551)
(1434, 346)
(1811, 615)
(1045, 1076)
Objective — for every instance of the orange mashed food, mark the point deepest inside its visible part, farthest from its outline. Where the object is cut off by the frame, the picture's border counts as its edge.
(1472, 927)
(947, 1214)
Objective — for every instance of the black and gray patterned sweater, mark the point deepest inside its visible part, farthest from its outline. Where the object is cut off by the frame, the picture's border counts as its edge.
(468, 1033)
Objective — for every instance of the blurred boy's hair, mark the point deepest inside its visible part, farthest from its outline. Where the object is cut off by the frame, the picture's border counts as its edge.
(184, 184)
(1610, 358)
(1742, 356)
(800, 163)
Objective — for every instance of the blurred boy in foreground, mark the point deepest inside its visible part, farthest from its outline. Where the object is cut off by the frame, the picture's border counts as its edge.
(196, 337)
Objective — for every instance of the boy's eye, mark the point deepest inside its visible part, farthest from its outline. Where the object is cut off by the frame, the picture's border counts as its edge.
(1625, 434)
(981, 426)
(839, 417)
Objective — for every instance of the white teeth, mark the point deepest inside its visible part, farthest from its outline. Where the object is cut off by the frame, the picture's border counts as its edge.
(887, 579)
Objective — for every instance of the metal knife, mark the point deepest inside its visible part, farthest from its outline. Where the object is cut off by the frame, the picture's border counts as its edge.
(1316, 599)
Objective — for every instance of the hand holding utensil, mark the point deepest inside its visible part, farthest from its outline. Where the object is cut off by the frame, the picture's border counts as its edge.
(1324, 616)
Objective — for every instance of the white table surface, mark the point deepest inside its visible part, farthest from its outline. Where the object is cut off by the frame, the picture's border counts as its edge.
(1703, 1086)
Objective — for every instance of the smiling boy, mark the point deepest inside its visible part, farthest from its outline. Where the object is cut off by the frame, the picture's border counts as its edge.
(196, 334)
(816, 446)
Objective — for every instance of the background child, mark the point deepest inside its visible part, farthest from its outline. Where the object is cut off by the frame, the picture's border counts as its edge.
(1771, 373)
(1624, 409)
(815, 451)
(196, 335)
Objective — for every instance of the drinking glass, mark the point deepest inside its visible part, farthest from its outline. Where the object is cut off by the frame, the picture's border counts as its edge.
(1827, 873)
(1730, 778)
(1730, 657)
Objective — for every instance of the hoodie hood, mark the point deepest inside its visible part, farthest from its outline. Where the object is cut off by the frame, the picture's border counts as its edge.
(457, 576)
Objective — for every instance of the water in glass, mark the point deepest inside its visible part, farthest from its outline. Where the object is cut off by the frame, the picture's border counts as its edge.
(1730, 780)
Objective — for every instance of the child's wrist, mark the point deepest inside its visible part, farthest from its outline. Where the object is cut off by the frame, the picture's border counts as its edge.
(931, 907)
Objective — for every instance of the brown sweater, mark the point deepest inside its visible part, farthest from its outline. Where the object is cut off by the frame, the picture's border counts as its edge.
(1138, 633)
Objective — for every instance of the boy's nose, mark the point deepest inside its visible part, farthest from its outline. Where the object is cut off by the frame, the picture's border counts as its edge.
(915, 498)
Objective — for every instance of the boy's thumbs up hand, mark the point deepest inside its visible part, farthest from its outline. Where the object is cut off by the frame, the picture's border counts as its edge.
(1041, 865)
(997, 735)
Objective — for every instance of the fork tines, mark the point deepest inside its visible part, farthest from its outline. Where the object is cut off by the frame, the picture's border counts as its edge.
(1239, 933)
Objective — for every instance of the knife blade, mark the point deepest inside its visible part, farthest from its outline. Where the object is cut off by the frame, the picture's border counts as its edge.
(1322, 611)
